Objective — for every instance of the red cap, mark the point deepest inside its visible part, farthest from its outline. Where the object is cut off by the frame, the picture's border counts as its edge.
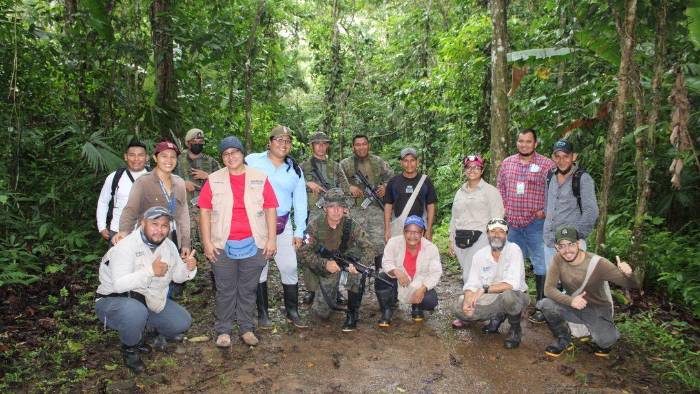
(473, 159)
(163, 145)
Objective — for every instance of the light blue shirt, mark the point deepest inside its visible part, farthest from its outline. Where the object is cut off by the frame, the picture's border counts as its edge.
(289, 188)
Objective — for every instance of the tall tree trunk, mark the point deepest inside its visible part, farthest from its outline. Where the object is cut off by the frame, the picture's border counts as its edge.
(617, 127)
(166, 114)
(248, 74)
(645, 141)
(499, 98)
(335, 76)
(483, 116)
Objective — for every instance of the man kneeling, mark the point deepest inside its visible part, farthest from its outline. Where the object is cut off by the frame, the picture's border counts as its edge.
(333, 241)
(413, 263)
(496, 286)
(134, 279)
(587, 301)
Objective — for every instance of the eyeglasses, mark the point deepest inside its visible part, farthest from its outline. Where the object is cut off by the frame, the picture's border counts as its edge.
(411, 232)
(232, 153)
(564, 246)
(282, 140)
(473, 169)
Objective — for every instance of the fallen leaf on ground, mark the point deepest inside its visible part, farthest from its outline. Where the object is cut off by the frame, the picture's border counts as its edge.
(202, 338)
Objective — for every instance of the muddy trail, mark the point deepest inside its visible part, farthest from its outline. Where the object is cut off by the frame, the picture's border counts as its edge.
(417, 358)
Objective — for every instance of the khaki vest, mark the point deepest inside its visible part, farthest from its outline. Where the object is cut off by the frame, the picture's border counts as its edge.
(222, 206)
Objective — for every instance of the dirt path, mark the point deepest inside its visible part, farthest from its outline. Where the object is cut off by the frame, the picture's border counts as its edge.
(425, 358)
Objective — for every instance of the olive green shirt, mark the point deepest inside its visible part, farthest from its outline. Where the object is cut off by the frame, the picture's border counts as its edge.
(203, 162)
(333, 176)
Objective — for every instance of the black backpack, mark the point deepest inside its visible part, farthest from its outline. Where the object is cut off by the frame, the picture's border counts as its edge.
(575, 183)
(115, 182)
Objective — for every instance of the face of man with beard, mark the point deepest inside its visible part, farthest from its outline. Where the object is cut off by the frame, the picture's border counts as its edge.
(568, 250)
(497, 239)
(156, 230)
(526, 144)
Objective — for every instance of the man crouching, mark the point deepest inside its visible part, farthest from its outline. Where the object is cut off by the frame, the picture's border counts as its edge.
(134, 279)
(329, 238)
(496, 286)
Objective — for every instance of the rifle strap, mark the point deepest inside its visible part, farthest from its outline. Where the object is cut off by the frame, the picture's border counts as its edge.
(317, 173)
(345, 238)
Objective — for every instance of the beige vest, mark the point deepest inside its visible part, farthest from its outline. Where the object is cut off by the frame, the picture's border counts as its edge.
(222, 205)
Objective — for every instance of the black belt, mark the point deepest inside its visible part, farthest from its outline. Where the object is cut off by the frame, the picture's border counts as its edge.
(127, 294)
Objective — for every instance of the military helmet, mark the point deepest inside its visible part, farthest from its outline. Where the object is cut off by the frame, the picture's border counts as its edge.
(335, 196)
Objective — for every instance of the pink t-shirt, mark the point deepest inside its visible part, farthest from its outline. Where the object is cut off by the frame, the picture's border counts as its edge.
(240, 226)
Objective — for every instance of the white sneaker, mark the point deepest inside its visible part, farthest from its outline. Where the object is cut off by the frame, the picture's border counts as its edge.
(223, 340)
(249, 338)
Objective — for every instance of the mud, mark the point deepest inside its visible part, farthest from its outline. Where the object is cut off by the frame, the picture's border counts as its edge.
(407, 358)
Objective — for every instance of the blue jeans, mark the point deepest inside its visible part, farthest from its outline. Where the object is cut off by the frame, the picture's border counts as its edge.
(531, 242)
(130, 317)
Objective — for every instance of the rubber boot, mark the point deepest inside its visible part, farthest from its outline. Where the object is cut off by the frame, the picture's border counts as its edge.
(261, 299)
(291, 303)
(494, 324)
(537, 316)
(309, 297)
(339, 300)
(352, 315)
(562, 336)
(132, 358)
(384, 298)
(417, 313)
(515, 333)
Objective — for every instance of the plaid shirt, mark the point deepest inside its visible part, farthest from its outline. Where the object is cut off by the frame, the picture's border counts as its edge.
(521, 207)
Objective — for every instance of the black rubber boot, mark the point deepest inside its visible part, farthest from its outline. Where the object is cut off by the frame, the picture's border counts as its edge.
(309, 297)
(515, 333)
(537, 316)
(291, 302)
(384, 298)
(417, 313)
(132, 358)
(352, 315)
(494, 324)
(339, 300)
(261, 300)
(562, 336)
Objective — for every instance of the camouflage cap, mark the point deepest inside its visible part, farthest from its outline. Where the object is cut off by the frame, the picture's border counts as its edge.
(193, 133)
(335, 196)
(280, 130)
(319, 137)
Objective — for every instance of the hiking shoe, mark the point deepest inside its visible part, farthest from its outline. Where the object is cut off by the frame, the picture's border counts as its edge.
(558, 348)
(537, 317)
(223, 340)
(458, 324)
(601, 351)
(249, 338)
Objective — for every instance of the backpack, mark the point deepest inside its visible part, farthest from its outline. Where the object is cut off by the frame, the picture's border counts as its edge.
(115, 182)
(575, 183)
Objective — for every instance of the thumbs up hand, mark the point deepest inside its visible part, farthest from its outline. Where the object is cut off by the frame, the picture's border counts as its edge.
(579, 302)
(159, 267)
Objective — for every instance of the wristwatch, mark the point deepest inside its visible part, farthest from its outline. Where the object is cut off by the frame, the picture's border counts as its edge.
(486, 289)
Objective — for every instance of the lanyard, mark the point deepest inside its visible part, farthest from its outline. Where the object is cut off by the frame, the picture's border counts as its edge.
(169, 198)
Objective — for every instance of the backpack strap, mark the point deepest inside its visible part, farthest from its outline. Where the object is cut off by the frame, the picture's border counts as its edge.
(576, 186)
(115, 183)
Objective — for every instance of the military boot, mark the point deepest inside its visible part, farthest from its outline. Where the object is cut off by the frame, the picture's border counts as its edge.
(515, 333)
(291, 303)
(352, 315)
(494, 324)
(309, 297)
(537, 316)
(132, 358)
(384, 298)
(261, 299)
(562, 336)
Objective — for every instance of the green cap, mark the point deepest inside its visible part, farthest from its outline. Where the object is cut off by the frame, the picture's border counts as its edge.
(566, 233)
(319, 137)
(280, 130)
(335, 196)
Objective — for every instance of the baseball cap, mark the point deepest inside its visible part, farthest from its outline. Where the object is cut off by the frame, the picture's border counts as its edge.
(408, 151)
(156, 212)
(231, 142)
(165, 145)
(280, 130)
(473, 159)
(194, 133)
(563, 146)
(497, 223)
(566, 233)
(414, 219)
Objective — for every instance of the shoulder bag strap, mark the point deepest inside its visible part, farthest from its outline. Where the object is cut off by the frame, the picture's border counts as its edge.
(412, 199)
(589, 271)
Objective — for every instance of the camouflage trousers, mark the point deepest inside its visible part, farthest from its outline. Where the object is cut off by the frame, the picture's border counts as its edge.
(324, 302)
(372, 221)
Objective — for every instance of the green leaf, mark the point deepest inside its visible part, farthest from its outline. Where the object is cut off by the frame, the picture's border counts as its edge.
(693, 14)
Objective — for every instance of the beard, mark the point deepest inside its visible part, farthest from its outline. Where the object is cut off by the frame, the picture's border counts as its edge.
(497, 244)
(526, 154)
(151, 242)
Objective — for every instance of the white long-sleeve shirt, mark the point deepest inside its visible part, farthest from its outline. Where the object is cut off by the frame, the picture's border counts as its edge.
(121, 196)
(128, 266)
(510, 268)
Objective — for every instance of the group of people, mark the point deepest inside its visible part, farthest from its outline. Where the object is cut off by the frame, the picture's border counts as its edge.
(340, 223)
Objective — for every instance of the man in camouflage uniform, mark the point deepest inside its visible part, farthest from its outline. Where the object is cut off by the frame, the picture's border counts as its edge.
(194, 167)
(333, 232)
(369, 214)
(321, 175)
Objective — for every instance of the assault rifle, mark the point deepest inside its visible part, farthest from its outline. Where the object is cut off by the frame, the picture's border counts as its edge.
(344, 262)
(371, 194)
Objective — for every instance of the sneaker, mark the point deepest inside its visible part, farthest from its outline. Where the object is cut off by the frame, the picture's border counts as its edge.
(249, 338)
(537, 317)
(223, 340)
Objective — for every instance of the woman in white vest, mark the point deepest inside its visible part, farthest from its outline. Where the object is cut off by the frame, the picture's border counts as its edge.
(474, 204)
(238, 229)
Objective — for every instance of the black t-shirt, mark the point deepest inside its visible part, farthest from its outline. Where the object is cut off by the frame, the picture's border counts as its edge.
(399, 190)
